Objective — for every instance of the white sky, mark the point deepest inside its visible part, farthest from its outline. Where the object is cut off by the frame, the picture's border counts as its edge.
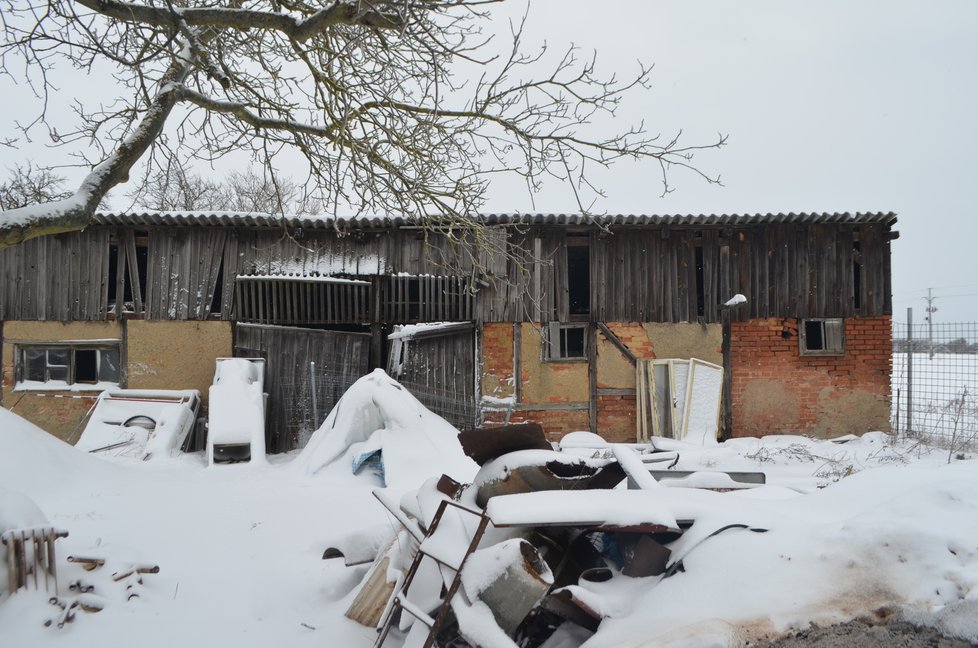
(829, 106)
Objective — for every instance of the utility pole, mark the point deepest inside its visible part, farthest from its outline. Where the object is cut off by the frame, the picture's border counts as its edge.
(931, 309)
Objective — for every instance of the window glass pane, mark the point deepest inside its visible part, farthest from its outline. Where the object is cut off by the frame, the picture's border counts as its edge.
(58, 358)
(108, 366)
(35, 361)
(58, 373)
(573, 342)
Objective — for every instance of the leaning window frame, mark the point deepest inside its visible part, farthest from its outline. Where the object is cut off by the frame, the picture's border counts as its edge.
(556, 328)
(830, 350)
(71, 347)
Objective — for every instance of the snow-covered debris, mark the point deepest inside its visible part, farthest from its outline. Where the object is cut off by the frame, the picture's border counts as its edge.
(236, 411)
(140, 423)
(377, 414)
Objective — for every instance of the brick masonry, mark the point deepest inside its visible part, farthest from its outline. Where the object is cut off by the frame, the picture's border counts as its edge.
(777, 390)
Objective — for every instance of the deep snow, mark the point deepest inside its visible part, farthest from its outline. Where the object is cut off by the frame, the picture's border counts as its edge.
(858, 528)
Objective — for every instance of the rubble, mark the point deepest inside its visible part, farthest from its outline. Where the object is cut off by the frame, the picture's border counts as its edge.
(534, 541)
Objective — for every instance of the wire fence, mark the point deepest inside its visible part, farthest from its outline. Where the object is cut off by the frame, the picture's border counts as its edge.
(306, 403)
(935, 382)
(461, 412)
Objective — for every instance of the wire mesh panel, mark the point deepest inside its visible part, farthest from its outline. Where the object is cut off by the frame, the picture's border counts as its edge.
(460, 410)
(935, 381)
(307, 371)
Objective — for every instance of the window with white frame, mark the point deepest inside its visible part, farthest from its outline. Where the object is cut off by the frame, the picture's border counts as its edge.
(824, 336)
(565, 342)
(67, 364)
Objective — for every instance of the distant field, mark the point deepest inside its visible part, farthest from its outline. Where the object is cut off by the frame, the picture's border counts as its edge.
(944, 399)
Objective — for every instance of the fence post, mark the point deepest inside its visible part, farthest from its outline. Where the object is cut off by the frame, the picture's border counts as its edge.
(315, 396)
(909, 370)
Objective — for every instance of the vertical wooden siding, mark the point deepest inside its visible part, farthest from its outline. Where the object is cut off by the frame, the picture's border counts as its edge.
(63, 278)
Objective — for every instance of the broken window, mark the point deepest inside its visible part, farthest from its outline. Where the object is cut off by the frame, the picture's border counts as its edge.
(565, 342)
(67, 364)
(822, 336)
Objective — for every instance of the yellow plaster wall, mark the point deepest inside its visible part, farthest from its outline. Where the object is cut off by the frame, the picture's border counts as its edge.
(549, 382)
(703, 341)
(176, 355)
(56, 412)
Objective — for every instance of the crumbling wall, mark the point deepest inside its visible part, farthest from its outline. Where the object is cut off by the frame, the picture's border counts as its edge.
(176, 355)
(777, 390)
(58, 412)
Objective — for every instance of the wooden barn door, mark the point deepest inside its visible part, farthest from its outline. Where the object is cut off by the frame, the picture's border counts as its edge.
(306, 372)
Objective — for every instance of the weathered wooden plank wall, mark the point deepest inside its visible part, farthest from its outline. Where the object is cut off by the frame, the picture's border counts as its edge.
(61, 278)
(637, 273)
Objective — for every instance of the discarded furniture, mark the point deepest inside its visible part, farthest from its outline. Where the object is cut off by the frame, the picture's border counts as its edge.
(236, 411)
(31, 552)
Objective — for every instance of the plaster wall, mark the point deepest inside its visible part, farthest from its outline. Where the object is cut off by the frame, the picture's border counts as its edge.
(176, 355)
(58, 412)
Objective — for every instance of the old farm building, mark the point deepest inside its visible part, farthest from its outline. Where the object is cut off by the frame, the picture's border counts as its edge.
(550, 330)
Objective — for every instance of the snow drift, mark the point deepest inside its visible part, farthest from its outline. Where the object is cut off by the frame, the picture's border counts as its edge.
(377, 414)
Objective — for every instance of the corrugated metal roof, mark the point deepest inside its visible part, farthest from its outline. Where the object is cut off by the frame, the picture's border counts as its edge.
(242, 219)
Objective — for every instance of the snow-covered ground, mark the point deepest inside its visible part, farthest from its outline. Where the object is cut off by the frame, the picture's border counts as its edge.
(861, 528)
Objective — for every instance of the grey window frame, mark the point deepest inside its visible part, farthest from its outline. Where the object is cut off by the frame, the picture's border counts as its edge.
(554, 341)
(833, 336)
(70, 348)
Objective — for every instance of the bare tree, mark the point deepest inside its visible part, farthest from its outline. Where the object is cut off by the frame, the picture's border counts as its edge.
(31, 185)
(177, 189)
(377, 96)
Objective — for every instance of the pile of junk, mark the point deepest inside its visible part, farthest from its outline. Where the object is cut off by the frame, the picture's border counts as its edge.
(535, 542)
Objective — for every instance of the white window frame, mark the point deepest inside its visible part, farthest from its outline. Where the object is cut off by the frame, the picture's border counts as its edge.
(70, 348)
(833, 331)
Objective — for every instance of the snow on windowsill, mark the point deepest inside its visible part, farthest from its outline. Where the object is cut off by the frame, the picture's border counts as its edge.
(62, 386)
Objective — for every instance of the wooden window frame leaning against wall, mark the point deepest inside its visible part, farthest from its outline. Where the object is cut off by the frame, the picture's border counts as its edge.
(63, 372)
(825, 336)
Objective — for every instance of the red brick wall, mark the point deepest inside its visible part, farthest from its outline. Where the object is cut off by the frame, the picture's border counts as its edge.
(497, 359)
(777, 390)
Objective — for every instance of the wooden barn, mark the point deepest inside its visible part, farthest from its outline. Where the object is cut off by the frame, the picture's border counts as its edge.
(544, 320)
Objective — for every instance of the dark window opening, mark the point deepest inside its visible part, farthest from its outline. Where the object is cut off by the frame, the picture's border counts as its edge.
(579, 279)
(217, 301)
(113, 273)
(815, 340)
(572, 342)
(86, 366)
(142, 262)
(700, 283)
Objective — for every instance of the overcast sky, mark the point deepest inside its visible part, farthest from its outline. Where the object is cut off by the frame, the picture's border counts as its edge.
(829, 106)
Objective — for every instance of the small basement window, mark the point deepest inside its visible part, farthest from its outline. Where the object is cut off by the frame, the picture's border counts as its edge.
(822, 336)
(565, 342)
(61, 366)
